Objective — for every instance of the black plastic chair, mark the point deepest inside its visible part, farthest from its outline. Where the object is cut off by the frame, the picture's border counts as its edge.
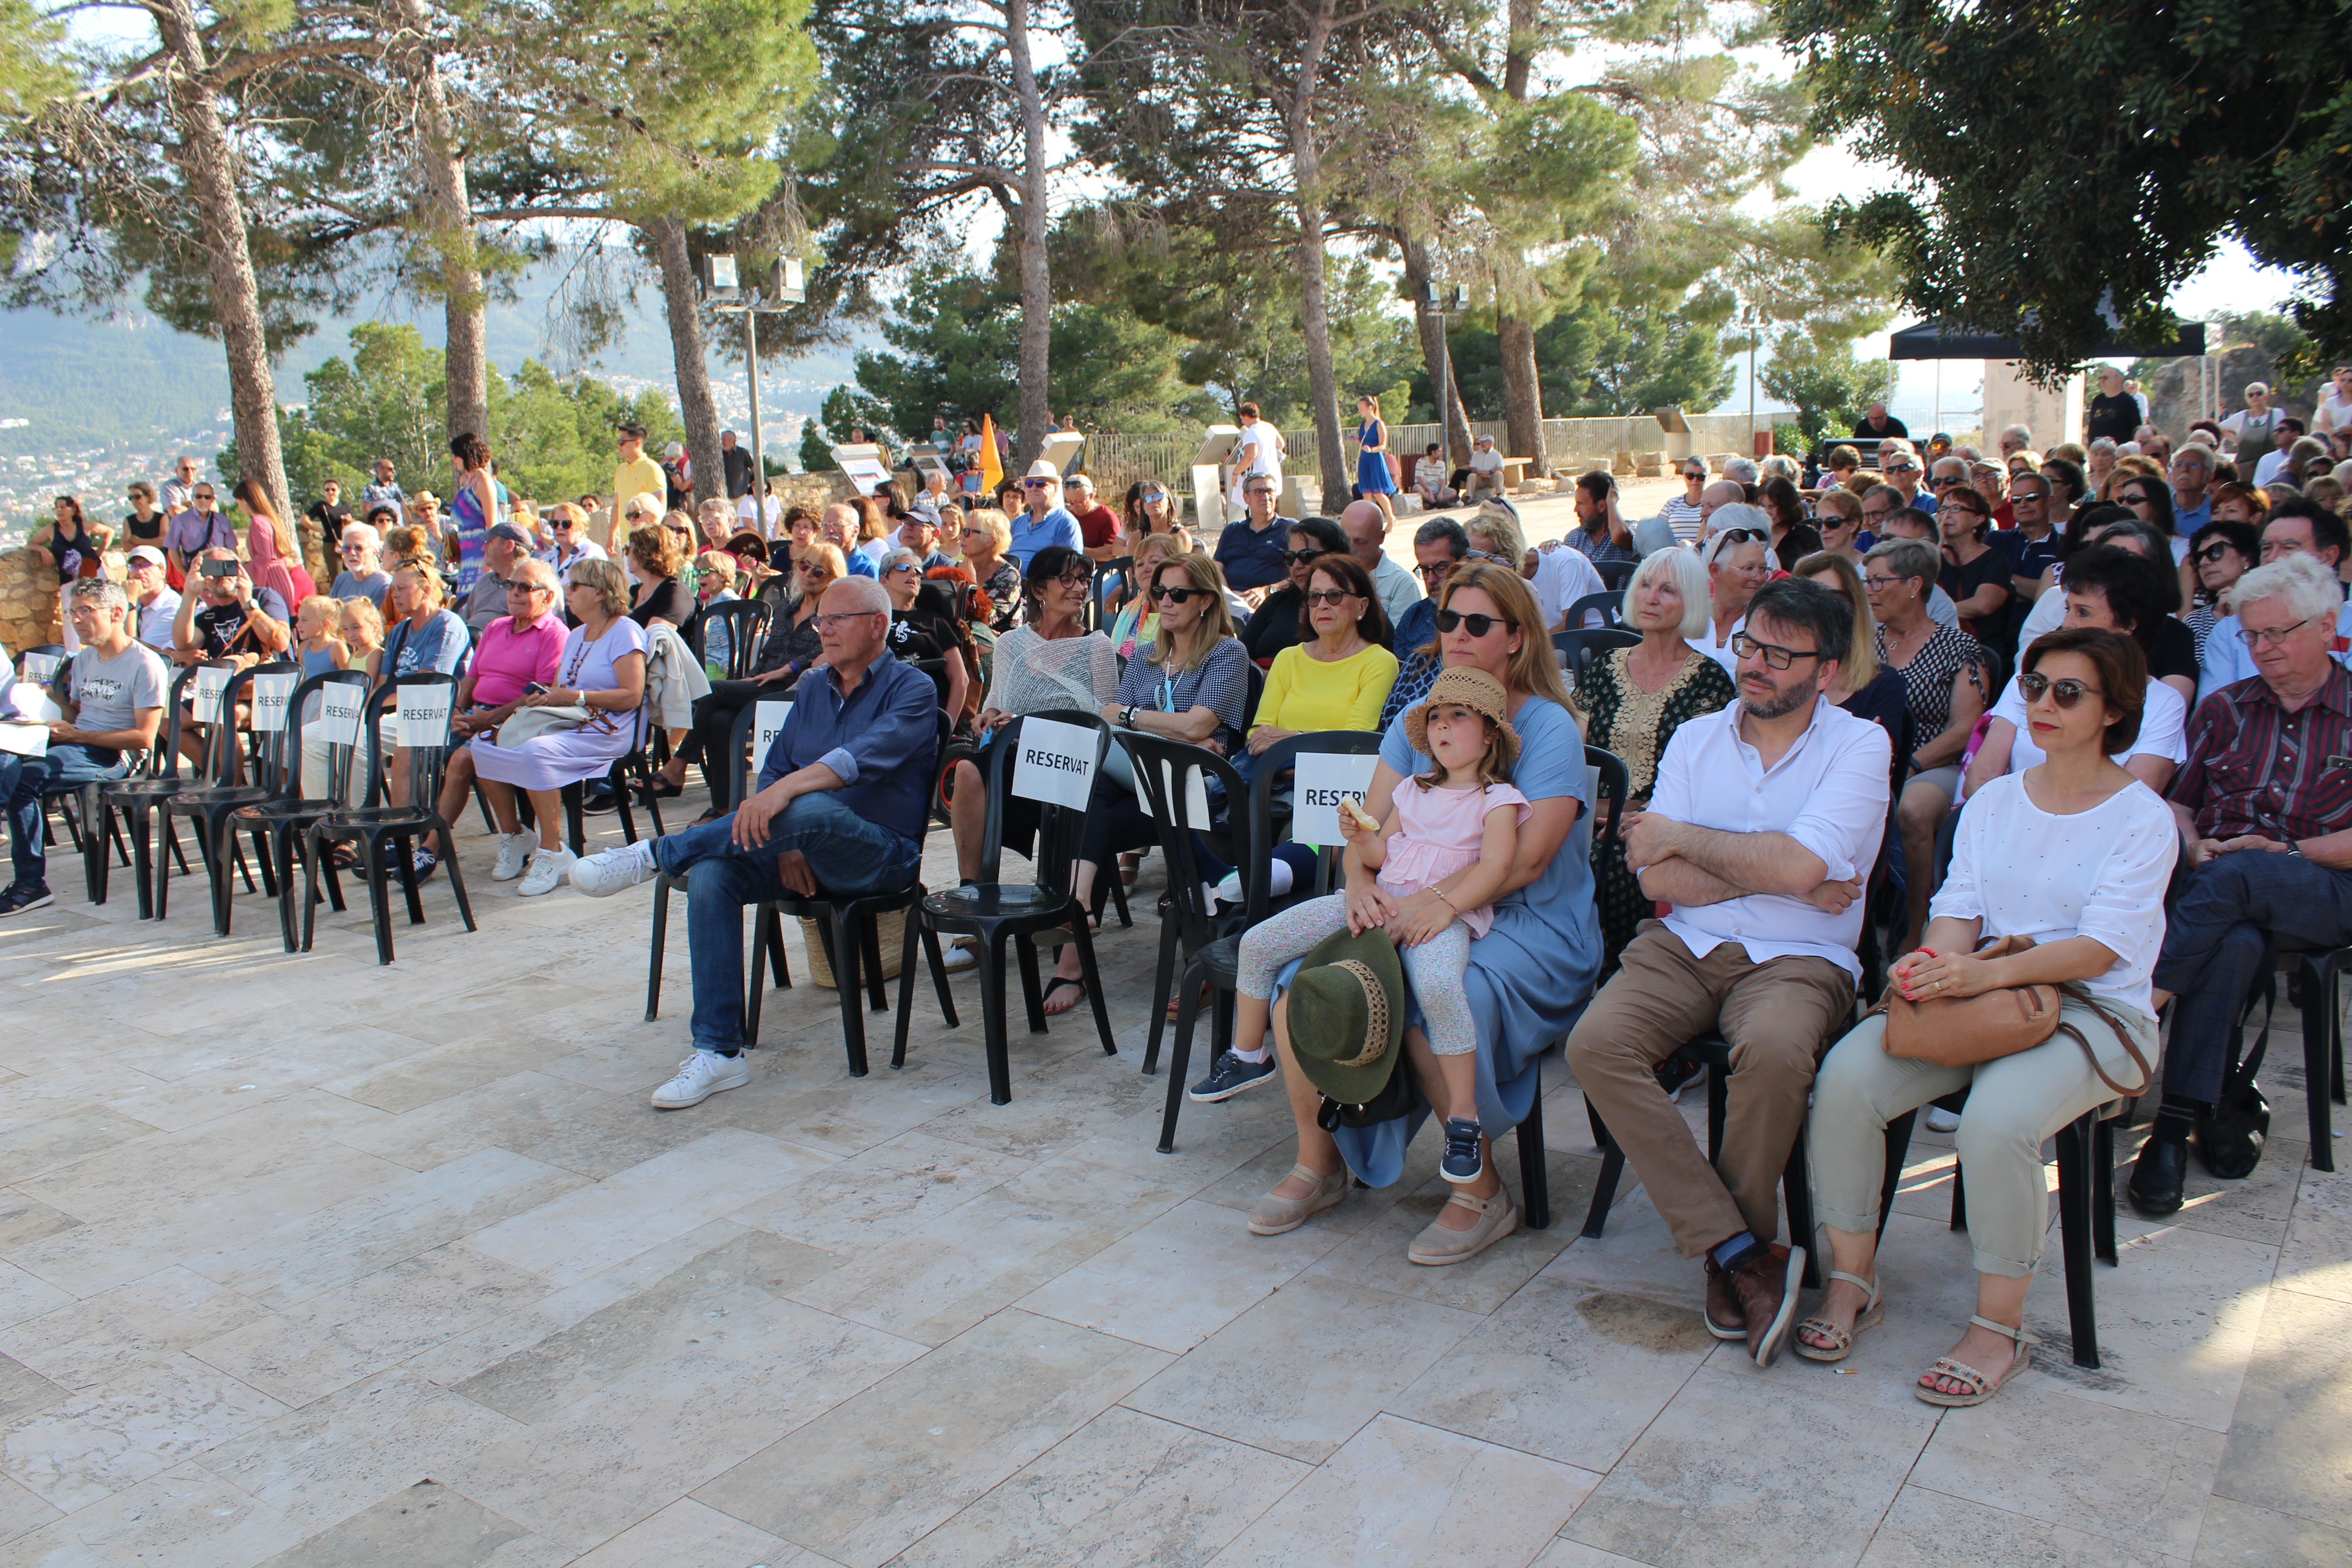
(277, 825)
(1578, 646)
(1110, 577)
(1615, 574)
(208, 805)
(1610, 605)
(384, 833)
(746, 622)
(1216, 961)
(747, 769)
(849, 930)
(2315, 973)
(1188, 924)
(136, 797)
(995, 911)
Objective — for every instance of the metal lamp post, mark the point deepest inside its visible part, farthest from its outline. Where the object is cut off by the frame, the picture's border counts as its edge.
(787, 285)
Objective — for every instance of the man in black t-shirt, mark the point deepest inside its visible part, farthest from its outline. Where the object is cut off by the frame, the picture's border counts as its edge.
(221, 616)
(1877, 424)
(329, 513)
(2113, 411)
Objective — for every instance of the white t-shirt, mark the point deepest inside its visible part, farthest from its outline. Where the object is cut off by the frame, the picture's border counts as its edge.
(775, 507)
(2099, 873)
(2265, 471)
(2334, 413)
(1563, 576)
(1257, 453)
(2162, 728)
(1486, 460)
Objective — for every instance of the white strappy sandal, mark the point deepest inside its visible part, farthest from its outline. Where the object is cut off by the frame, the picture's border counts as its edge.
(1981, 1387)
(1841, 1345)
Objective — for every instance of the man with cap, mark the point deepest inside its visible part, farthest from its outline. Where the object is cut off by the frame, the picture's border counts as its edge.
(153, 606)
(1250, 550)
(1764, 890)
(1044, 519)
(1484, 472)
(503, 545)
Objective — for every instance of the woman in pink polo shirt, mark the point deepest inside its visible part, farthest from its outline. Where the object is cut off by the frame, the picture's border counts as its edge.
(517, 649)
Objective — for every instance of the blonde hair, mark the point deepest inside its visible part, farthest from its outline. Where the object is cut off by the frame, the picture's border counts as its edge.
(569, 513)
(330, 612)
(1167, 546)
(653, 546)
(1858, 666)
(1501, 534)
(999, 526)
(1532, 668)
(717, 563)
(406, 545)
(611, 584)
(361, 624)
(1202, 575)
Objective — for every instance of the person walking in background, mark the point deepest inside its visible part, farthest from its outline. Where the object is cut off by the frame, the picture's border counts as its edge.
(1374, 482)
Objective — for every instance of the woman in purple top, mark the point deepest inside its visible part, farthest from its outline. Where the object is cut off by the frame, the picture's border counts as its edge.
(479, 502)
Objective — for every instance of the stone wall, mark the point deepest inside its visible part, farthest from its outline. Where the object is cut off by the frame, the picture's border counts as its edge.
(28, 602)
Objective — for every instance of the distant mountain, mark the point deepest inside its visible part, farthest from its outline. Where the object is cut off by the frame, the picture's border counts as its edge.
(74, 388)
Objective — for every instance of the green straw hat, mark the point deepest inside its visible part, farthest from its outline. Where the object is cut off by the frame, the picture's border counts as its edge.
(1346, 1017)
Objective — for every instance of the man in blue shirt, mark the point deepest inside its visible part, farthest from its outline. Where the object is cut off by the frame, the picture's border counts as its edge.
(838, 812)
(1044, 519)
(1250, 549)
(2191, 480)
(1438, 546)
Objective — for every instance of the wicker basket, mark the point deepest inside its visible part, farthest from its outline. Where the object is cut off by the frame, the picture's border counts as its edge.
(891, 931)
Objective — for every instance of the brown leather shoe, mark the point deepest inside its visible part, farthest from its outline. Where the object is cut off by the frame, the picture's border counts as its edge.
(1725, 1320)
(1767, 1284)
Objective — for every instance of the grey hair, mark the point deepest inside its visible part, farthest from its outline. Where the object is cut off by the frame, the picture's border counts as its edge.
(1779, 466)
(2022, 432)
(1689, 579)
(2305, 448)
(2307, 582)
(367, 533)
(532, 569)
(1731, 515)
(1740, 468)
(1959, 465)
(100, 593)
(868, 591)
(2107, 442)
(901, 557)
(2195, 452)
(1913, 559)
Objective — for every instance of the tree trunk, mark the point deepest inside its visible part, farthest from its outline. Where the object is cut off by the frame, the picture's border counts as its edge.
(1036, 271)
(693, 362)
(1522, 393)
(1314, 312)
(1434, 356)
(448, 223)
(209, 165)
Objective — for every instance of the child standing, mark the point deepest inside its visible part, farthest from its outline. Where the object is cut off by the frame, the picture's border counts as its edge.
(1452, 832)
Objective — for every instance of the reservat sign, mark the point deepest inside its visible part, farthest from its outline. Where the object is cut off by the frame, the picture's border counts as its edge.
(1322, 780)
(1056, 763)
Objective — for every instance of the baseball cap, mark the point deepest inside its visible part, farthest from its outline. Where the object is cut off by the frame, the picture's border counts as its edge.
(508, 532)
(149, 554)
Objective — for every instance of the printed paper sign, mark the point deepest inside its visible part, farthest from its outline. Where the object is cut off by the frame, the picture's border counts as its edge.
(40, 669)
(1193, 800)
(210, 684)
(765, 728)
(271, 694)
(339, 712)
(1057, 764)
(1323, 780)
(422, 718)
(23, 740)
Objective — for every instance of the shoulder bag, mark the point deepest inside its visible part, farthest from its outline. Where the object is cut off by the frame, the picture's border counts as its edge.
(530, 724)
(1963, 1031)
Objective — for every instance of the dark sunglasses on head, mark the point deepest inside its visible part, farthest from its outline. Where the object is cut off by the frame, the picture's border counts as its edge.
(1174, 596)
(1747, 536)
(2066, 692)
(1293, 557)
(1477, 626)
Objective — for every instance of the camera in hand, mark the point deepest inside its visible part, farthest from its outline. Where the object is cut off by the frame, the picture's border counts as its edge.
(219, 569)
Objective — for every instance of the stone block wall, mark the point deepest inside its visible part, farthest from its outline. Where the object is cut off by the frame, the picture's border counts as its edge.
(28, 602)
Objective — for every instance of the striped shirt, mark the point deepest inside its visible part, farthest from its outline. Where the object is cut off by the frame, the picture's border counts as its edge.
(2253, 767)
(1218, 683)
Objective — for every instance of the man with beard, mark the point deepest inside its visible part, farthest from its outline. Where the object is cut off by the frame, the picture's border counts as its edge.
(1763, 886)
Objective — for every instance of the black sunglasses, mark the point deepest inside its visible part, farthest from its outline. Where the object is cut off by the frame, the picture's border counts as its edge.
(1334, 596)
(1747, 536)
(1174, 596)
(2068, 691)
(1293, 557)
(1477, 626)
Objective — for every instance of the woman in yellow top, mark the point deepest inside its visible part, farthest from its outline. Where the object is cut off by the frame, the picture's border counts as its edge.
(1336, 678)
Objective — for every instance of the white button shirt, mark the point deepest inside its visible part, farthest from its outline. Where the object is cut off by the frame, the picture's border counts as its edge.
(1829, 794)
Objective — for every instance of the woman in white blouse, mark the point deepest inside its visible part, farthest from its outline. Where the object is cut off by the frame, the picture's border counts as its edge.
(2076, 853)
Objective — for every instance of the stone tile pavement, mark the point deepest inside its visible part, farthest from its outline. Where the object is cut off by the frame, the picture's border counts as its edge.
(306, 1261)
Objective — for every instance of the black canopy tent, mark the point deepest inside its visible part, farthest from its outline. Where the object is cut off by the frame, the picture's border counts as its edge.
(1948, 340)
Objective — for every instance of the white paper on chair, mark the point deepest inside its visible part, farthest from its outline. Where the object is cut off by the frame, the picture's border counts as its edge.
(272, 693)
(210, 684)
(422, 718)
(1322, 780)
(338, 713)
(1196, 794)
(24, 740)
(767, 723)
(40, 669)
(1057, 764)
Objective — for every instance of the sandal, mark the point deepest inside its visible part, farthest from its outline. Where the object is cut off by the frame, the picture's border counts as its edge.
(1056, 984)
(1840, 1343)
(1130, 865)
(1981, 1387)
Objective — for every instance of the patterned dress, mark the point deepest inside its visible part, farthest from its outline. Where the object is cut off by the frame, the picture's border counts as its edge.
(1636, 724)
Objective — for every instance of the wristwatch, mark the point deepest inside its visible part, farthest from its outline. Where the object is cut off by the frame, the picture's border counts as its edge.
(2294, 849)
(1127, 716)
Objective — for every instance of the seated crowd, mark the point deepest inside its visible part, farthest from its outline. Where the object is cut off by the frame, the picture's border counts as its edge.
(2069, 718)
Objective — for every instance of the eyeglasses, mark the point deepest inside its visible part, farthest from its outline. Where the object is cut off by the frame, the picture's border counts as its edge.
(1778, 658)
(1880, 584)
(1695, 479)
(2036, 497)
(2136, 497)
(1294, 557)
(2067, 691)
(1073, 579)
(1036, 484)
(559, 526)
(1966, 511)
(354, 550)
(1477, 626)
(1947, 482)
(203, 494)
(1437, 572)
(527, 588)
(2211, 552)
(1336, 597)
(836, 623)
(815, 569)
(1160, 596)
(1265, 494)
(906, 567)
(2271, 637)
(1877, 514)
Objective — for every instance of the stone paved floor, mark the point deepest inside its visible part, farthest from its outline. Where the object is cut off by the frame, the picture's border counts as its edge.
(307, 1261)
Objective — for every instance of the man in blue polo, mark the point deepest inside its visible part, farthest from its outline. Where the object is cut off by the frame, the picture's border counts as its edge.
(1250, 549)
(1044, 519)
(839, 812)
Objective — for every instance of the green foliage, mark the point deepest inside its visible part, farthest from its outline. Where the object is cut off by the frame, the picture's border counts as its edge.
(552, 438)
(1827, 386)
(1594, 359)
(2071, 164)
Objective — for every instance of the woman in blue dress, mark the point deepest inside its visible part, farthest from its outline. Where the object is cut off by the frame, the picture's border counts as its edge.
(1373, 479)
(1529, 976)
(479, 502)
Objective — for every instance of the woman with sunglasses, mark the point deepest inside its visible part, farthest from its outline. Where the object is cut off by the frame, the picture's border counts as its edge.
(1974, 575)
(2074, 853)
(1277, 622)
(987, 535)
(1338, 672)
(2220, 552)
(1148, 510)
(919, 633)
(2150, 501)
(1529, 975)
(1736, 565)
(1837, 517)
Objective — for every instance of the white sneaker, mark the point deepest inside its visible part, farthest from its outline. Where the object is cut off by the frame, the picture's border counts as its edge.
(514, 852)
(700, 1076)
(547, 869)
(959, 956)
(607, 871)
(1942, 1121)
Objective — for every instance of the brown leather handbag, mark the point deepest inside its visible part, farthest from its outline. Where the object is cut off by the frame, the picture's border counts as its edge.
(1963, 1031)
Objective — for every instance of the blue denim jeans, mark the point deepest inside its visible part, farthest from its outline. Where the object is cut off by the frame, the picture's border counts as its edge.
(2217, 944)
(848, 855)
(22, 780)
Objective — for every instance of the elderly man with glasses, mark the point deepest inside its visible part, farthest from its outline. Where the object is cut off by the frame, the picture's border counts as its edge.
(1250, 550)
(362, 575)
(200, 528)
(1044, 519)
(178, 491)
(839, 812)
(2265, 807)
(1900, 466)
(2294, 526)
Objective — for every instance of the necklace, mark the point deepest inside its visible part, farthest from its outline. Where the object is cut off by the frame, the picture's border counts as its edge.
(587, 647)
